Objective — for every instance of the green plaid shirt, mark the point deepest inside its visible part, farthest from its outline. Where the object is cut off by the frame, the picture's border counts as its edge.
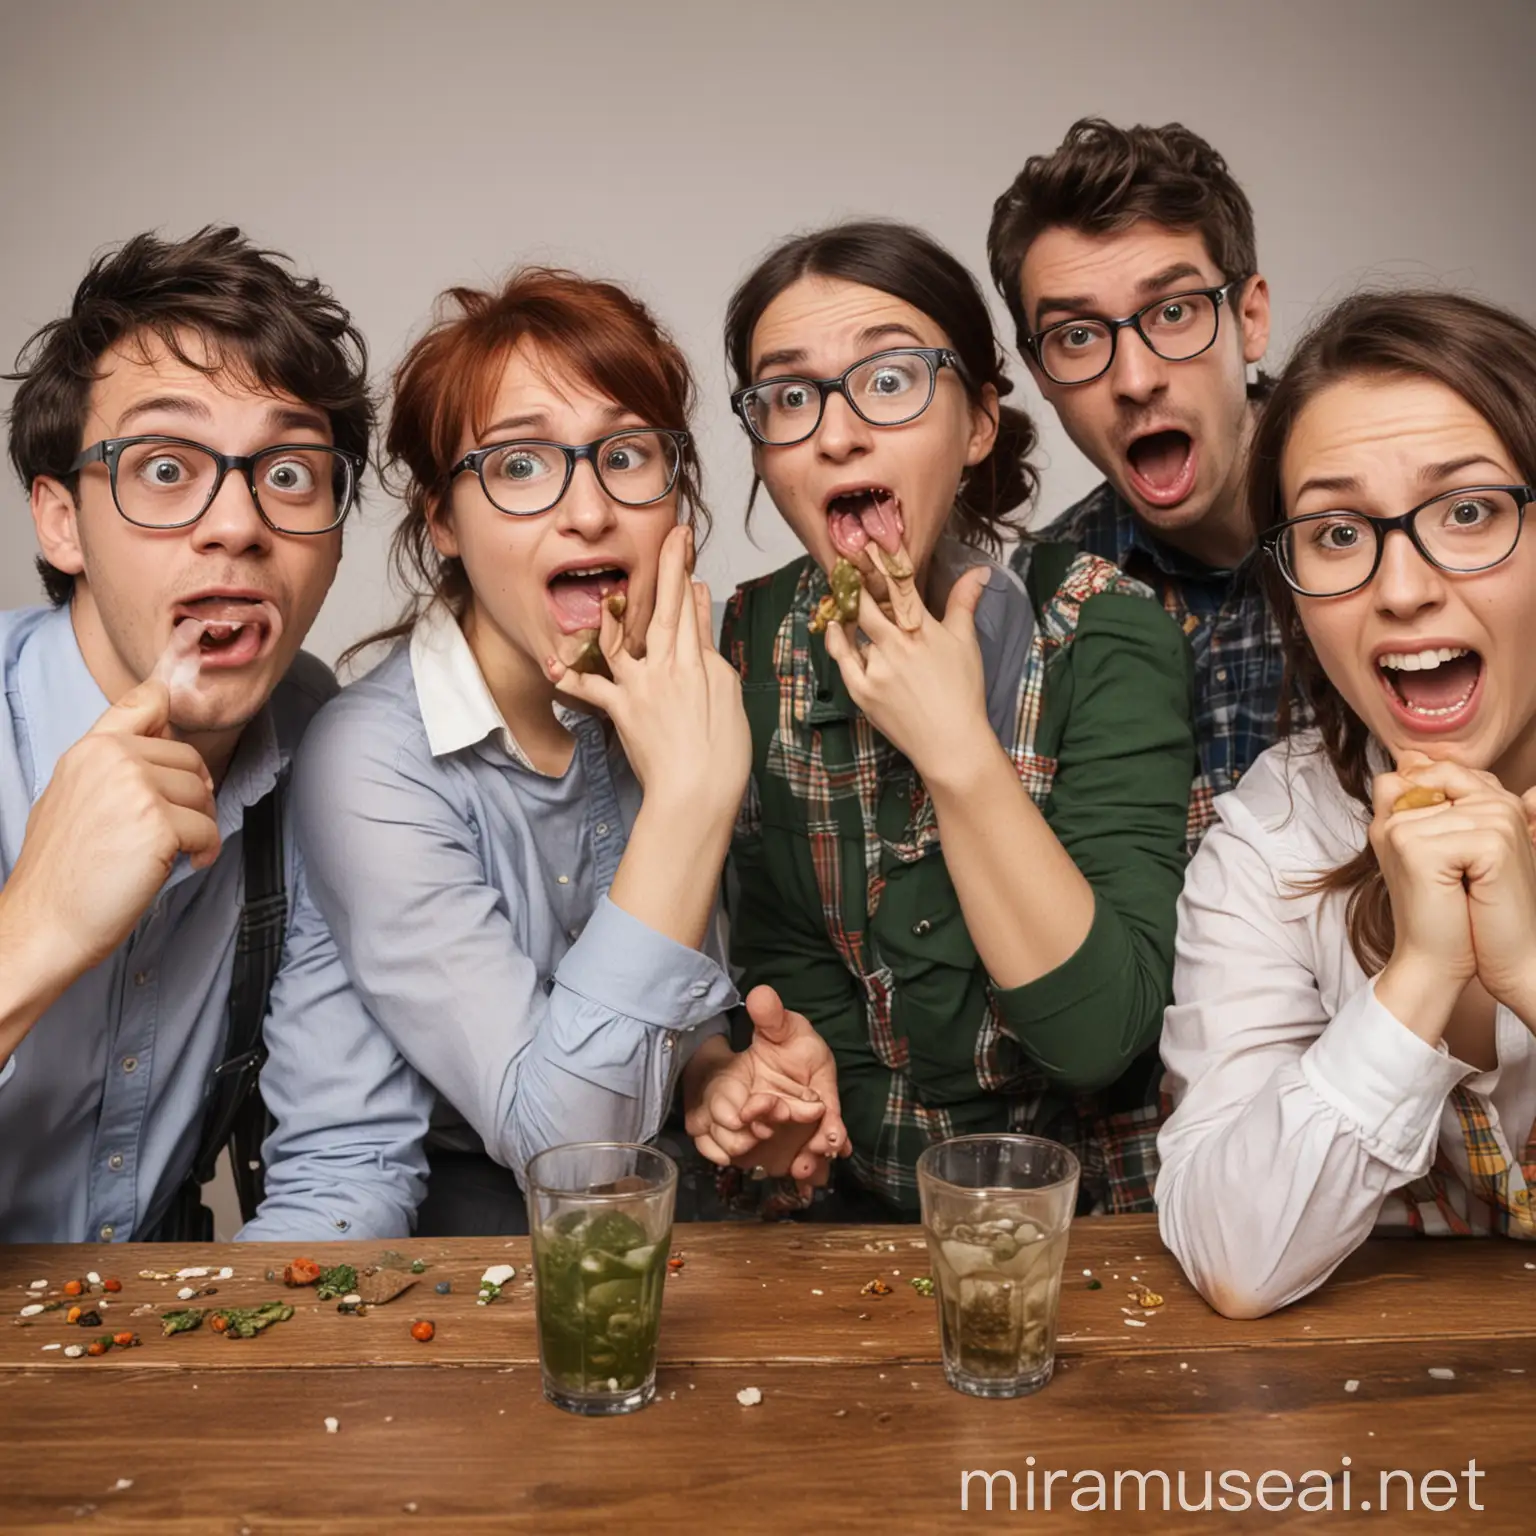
(845, 906)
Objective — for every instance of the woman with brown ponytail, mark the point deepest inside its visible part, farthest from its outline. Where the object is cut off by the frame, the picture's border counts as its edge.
(964, 834)
(1350, 1048)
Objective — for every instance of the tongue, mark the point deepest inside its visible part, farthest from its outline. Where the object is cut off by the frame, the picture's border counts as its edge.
(1159, 459)
(1438, 687)
(581, 600)
(854, 522)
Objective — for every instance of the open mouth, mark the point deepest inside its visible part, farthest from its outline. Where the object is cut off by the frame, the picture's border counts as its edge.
(576, 595)
(1432, 689)
(1162, 466)
(870, 513)
(235, 630)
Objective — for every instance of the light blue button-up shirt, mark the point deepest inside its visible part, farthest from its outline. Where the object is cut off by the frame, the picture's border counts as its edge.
(461, 894)
(101, 1103)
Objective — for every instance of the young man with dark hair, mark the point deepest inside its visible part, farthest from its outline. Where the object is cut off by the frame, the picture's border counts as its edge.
(191, 433)
(1127, 260)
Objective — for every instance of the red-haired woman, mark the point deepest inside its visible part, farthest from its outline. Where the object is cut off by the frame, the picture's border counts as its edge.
(513, 828)
(1351, 1046)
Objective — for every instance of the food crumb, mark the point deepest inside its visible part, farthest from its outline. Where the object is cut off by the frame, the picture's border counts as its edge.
(47, 1347)
(74, 1351)
(226, 1273)
(815, 1292)
(840, 1413)
(1134, 1322)
(498, 1274)
(121, 1485)
(410, 1508)
(1352, 1385)
(32, 1310)
(1442, 1373)
(198, 1272)
(332, 1425)
(186, 1293)
(749, 1397)
(38, 1285)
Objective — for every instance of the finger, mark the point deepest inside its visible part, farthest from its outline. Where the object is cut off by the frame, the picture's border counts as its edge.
(582, 687)
(1453, 780)
(769, 1016)
(704, 612)
(181, 661)
(197, 835)
(960, 610)
(178, 787)
(901, 581)
(808, 1168)
(710, 1148)
(671, 590)
(843, 650)
(142, 711)
(687, 649)
(737, 1145)
(164, 752)
(613, 638)
(882, 631)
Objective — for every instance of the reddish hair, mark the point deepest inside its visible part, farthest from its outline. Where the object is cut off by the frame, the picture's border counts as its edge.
(445, 388)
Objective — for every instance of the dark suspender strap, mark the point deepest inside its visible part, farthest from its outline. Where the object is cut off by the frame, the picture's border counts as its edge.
(236, 1113)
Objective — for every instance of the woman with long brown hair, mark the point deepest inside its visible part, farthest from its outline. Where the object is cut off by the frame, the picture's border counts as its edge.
(513, 827)
(1350, 1047)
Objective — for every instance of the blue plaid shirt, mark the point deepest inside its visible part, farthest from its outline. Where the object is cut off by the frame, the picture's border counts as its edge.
(1235, 641)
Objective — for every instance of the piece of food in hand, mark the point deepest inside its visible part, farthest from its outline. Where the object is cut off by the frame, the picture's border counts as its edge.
(616, 603)
(1417, 797)
(841, 606)
(897, 565)
(590, 657)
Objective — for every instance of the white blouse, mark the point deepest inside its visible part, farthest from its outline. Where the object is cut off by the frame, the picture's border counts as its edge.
(1304, 1110)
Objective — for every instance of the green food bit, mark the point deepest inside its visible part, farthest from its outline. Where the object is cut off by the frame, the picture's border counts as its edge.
(613, 1233)
(340, 1280)
(922, 1284)
(183, 1321)
(846, 583)
(1094, 1285)
(247, 1322)
(418, 1266)
(489, 1291)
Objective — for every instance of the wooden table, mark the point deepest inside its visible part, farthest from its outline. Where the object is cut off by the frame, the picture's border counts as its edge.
(856, 1430)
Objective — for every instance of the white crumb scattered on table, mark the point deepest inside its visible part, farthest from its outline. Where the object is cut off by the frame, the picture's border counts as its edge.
(1352, 1385)
(122, 1485)
(332, 1425)
(498, 1274)
(93, 1278)
(226, 1273)
(74, 1351)
(32, 1310)
(47, 1347)
(186, 1293)
(1134, 1322)
(749, 1397)
(196, 1272)
(1442, 1373)
(38, 1285)
(815, 1292)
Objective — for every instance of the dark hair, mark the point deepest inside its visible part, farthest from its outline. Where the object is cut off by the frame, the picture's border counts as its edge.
(246, 307)
(1488, 357)
(905, 263)
(446, 386)
(1100, 180)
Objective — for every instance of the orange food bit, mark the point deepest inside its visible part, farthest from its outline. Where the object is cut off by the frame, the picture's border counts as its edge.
(218, 1322)
(301, 1272)
(423, 1331)
(111, 1283)
(74, 1315)
(97, 1347)
(123, 1340)
(73, 1287)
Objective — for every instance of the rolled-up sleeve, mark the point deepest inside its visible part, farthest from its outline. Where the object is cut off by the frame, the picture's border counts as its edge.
(590, 1052)
(346, 1158)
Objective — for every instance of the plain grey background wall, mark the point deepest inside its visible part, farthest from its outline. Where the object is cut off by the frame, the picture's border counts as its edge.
(396, 147)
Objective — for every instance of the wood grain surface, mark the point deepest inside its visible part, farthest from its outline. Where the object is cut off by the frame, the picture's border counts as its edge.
(856, 1431)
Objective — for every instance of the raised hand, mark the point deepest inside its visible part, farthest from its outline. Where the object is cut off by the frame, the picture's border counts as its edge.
(919, 679)
(1462, 878)
(122, 803)
(773, 1106)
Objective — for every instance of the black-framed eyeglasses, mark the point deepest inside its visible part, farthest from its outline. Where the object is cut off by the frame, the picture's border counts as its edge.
(169, 482)
(1176, 327)
(886, 389)
(1327, 554)
(530, 476)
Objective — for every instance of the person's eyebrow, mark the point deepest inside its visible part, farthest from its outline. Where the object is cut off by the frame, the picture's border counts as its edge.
(1430, 474)
(1340, 485)
(886, 331)
(1069, 304)
(529, 419)
(1176, 273)
(172, 405)
(785, 357)
(297, 418)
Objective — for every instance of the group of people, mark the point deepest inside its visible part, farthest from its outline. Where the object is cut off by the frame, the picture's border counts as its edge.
(1193, 831)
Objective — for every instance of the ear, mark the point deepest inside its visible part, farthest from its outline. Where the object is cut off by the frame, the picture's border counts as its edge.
(440, 529)
(1253, 312)
(56, 518)
(983, 425)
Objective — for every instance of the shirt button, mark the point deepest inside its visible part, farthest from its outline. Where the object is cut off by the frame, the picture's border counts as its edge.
(602, 829)
(922, 926)
(342, 1223)
(115, 1162)
(668, 1043)
(130, 1063)
(562, 879)
(698, 989)
(1221, 674)
(575, 933)
(106, 1232)
(140, 977)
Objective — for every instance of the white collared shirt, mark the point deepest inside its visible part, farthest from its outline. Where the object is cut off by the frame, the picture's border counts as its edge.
(1304, 1109)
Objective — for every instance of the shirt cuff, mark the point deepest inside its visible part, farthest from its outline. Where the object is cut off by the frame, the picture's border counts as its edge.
(625, 967)
(8, 1071)
(1382, 1078)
